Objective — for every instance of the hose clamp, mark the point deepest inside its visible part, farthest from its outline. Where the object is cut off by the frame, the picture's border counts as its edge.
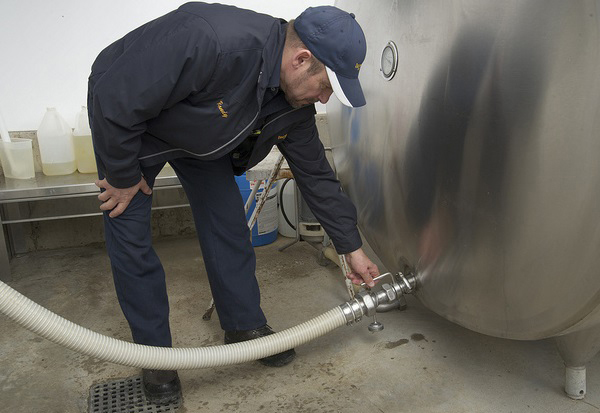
(352, 311)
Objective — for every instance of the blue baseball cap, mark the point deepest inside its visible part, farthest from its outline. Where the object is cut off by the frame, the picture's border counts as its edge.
(335, 38)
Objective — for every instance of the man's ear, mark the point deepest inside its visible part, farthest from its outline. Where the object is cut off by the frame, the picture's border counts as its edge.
(301, 57)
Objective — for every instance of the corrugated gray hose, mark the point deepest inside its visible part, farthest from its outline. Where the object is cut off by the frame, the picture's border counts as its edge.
(61, 331)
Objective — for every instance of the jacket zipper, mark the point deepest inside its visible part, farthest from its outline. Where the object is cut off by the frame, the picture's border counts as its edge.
(222, 146)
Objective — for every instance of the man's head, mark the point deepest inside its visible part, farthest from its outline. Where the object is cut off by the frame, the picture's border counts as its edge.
(324, 50)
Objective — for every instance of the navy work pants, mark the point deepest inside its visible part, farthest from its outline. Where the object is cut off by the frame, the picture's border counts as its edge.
(218, 211)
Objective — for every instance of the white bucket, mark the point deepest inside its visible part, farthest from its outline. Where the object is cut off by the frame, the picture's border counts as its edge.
(287, 208)
(17, 158)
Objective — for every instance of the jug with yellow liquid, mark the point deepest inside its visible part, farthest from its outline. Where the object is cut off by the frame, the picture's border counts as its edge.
(55, 138)
(82, 140)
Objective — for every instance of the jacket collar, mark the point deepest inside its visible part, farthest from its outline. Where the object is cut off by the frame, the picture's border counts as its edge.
(275, 72)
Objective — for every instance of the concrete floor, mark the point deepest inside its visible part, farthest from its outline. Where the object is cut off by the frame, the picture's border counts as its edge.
(419, 363)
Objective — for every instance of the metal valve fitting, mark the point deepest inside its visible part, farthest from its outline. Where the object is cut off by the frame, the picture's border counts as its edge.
(366, 302)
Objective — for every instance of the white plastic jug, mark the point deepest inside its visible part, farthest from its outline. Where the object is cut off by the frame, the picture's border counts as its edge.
(56, 145)
(82, 140)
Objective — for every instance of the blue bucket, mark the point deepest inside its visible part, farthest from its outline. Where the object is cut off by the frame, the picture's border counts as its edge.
(265, 229)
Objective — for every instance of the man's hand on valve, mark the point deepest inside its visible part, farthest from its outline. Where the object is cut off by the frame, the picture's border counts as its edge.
(362, 269)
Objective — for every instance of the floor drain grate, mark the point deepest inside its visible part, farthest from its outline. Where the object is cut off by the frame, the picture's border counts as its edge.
(125, 396)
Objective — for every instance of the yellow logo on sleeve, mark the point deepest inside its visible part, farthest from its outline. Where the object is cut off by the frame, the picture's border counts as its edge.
(220, 106)
(357, 66)
(282, 137)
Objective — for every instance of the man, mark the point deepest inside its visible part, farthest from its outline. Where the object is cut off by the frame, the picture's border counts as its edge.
(211, 88)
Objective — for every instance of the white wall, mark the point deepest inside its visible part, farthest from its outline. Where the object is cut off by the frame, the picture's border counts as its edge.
(47, 48)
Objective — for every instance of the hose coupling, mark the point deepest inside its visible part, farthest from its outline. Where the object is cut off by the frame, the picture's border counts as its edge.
(365, 303)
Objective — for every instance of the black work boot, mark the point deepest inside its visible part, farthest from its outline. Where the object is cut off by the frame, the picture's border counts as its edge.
(161, 386)
(276, 360)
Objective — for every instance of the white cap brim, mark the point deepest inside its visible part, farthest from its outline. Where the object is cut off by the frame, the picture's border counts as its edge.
(337, 88)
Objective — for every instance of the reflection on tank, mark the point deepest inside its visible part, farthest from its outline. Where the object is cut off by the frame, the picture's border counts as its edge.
(476, 166)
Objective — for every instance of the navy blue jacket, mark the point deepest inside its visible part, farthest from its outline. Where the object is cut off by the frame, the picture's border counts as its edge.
(193, 83)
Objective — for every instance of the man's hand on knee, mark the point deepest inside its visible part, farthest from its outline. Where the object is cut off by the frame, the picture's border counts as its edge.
(117, 200)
